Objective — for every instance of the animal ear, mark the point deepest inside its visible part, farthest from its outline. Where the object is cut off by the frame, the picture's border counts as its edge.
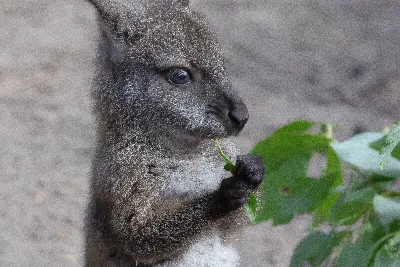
(178, 4)
(118, 16)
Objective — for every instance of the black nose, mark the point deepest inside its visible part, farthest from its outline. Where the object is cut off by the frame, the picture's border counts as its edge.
(239, 116)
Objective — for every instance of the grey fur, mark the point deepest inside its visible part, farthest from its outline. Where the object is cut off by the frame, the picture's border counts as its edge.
(156, 192)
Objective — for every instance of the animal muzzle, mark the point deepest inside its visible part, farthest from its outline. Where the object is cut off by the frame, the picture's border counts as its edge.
(239, 115)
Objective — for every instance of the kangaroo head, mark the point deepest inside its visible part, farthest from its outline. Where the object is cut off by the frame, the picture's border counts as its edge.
(162, 66)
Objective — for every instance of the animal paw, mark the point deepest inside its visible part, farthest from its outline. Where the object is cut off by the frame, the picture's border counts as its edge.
(247, 175)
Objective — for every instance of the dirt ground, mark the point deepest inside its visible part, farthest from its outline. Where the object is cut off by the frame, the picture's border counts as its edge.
(335, 61)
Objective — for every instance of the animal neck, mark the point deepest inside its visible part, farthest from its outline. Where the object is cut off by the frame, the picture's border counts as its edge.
(161, 139)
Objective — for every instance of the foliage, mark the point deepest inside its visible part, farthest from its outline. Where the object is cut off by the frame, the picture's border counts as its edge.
(356, 218)
(389, 144)
(228, 163)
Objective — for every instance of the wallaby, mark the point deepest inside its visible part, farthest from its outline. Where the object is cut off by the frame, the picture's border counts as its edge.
(159, 194)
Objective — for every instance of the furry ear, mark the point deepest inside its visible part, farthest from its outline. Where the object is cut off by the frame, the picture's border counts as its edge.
(120, 17)
(108, 10)
(174, 4)
(129, 19)
(183, 4)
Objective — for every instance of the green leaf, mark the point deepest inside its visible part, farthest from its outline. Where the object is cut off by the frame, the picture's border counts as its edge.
(395, 152)
(360, 195)
(387, 208)
(296, 127)
(333, 169)
(378, 144)
(347, 213)
(352, 204)
(229, 166)
(392, 144)
(388, 145)
(387, 258)
(315, 248)
(327, 129)
(389, 254)
(354, 255)
(357, 151)
(360, 252)
(250, 208)
(286, 190)
(395, 226)
(378, 178)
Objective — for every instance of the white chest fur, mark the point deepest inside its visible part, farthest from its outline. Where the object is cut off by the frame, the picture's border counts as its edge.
(210, 251)
(194, 177)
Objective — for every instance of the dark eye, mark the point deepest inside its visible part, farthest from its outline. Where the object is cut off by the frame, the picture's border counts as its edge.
(179, 76)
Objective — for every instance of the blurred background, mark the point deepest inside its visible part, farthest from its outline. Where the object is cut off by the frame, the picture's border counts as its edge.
(332, 61)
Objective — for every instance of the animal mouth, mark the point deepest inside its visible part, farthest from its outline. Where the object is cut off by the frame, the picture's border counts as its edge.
(223, 116)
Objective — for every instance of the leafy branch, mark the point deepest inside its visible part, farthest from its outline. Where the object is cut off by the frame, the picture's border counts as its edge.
(361, 215)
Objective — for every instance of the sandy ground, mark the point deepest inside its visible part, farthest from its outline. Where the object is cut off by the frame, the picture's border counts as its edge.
(335, 61)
